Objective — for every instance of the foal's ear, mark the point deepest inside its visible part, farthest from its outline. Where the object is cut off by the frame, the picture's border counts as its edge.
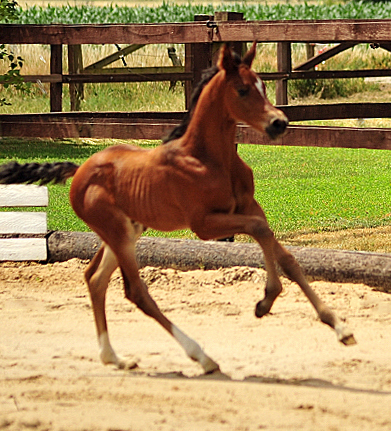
(250, 55)
(227, 60)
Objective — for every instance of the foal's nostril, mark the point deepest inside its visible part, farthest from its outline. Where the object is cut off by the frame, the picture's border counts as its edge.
(279, 125)
(276, 127)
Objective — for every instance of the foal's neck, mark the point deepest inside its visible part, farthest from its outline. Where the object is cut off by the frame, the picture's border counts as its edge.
(210, 135)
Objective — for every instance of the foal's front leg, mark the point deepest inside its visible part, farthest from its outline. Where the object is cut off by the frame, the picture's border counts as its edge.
(255, 225)
(293, 271)
(220, 225)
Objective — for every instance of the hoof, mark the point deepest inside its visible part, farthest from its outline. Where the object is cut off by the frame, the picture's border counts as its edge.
(210, 366)
(127, 365)
(119, 363)
(217, 374)
(348, 340)
(345, 335)
(215, 370)
(261, 310)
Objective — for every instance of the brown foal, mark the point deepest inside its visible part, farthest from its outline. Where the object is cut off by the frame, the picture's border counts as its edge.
(195, 180)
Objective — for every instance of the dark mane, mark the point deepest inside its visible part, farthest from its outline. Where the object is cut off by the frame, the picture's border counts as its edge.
(207, 75)
(180, 130)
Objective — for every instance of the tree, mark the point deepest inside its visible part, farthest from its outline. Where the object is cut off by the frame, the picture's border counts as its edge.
(8, 13)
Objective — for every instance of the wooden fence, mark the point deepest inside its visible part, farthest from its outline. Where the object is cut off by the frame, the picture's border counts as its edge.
(201, 39)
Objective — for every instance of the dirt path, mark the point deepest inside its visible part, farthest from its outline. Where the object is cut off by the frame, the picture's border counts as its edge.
(284, 372)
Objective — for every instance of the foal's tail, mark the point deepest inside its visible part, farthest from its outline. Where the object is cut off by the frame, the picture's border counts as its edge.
(57, 173)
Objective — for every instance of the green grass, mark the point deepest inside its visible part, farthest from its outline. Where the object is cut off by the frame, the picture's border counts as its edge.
(151, 96)
(321, 189)
(301, 189)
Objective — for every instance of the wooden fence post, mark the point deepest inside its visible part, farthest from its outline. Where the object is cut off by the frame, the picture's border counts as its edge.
(75, 65)
(201, 56)
(310, 51)
(284, 64)
(176, 61)
(238, 47)
(56, 69)
(198, 57)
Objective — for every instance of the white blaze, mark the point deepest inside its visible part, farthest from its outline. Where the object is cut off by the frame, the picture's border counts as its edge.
(259, 86)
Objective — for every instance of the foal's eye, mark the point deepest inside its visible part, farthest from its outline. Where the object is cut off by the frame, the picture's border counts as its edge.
(243, 91)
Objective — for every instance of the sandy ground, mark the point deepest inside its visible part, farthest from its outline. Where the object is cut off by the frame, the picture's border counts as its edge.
(285, 371)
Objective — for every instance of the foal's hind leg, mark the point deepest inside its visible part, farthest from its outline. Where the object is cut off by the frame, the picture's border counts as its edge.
(123, 245)
(97, 275)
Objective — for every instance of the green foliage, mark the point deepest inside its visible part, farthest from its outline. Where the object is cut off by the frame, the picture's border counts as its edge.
(9, 12)
(12, 76)
(333, 88)
(325, 88)
(170, 12)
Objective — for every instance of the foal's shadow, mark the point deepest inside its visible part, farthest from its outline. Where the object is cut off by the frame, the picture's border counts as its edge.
(222, 377)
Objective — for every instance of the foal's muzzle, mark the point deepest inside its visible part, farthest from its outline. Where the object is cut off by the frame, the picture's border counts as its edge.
(277, 127)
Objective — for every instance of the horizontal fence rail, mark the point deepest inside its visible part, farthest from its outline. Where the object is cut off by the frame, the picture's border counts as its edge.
(293, 112)
(154, 125)
(320, 31)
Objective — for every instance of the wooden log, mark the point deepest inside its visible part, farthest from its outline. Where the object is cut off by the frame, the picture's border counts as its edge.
(114, 57)
(139, 126)
(151, 75)
(373, 269)
(294, 113)
(339, 74)
(325, 137)
(168, 73)
(176, 61)
(198, 57)
(313, 60)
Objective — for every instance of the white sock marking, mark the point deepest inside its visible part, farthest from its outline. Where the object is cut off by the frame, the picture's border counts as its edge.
(194, 351)
(107, 354)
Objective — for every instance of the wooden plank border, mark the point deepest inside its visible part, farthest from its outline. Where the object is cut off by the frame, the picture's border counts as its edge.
(20, 195)
(21, 249)
(16, 222)
(19, 229)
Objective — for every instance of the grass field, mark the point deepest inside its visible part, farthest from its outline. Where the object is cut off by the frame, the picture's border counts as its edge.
(302, 190)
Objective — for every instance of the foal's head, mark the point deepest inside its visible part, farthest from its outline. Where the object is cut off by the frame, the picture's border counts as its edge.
(245, 94)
